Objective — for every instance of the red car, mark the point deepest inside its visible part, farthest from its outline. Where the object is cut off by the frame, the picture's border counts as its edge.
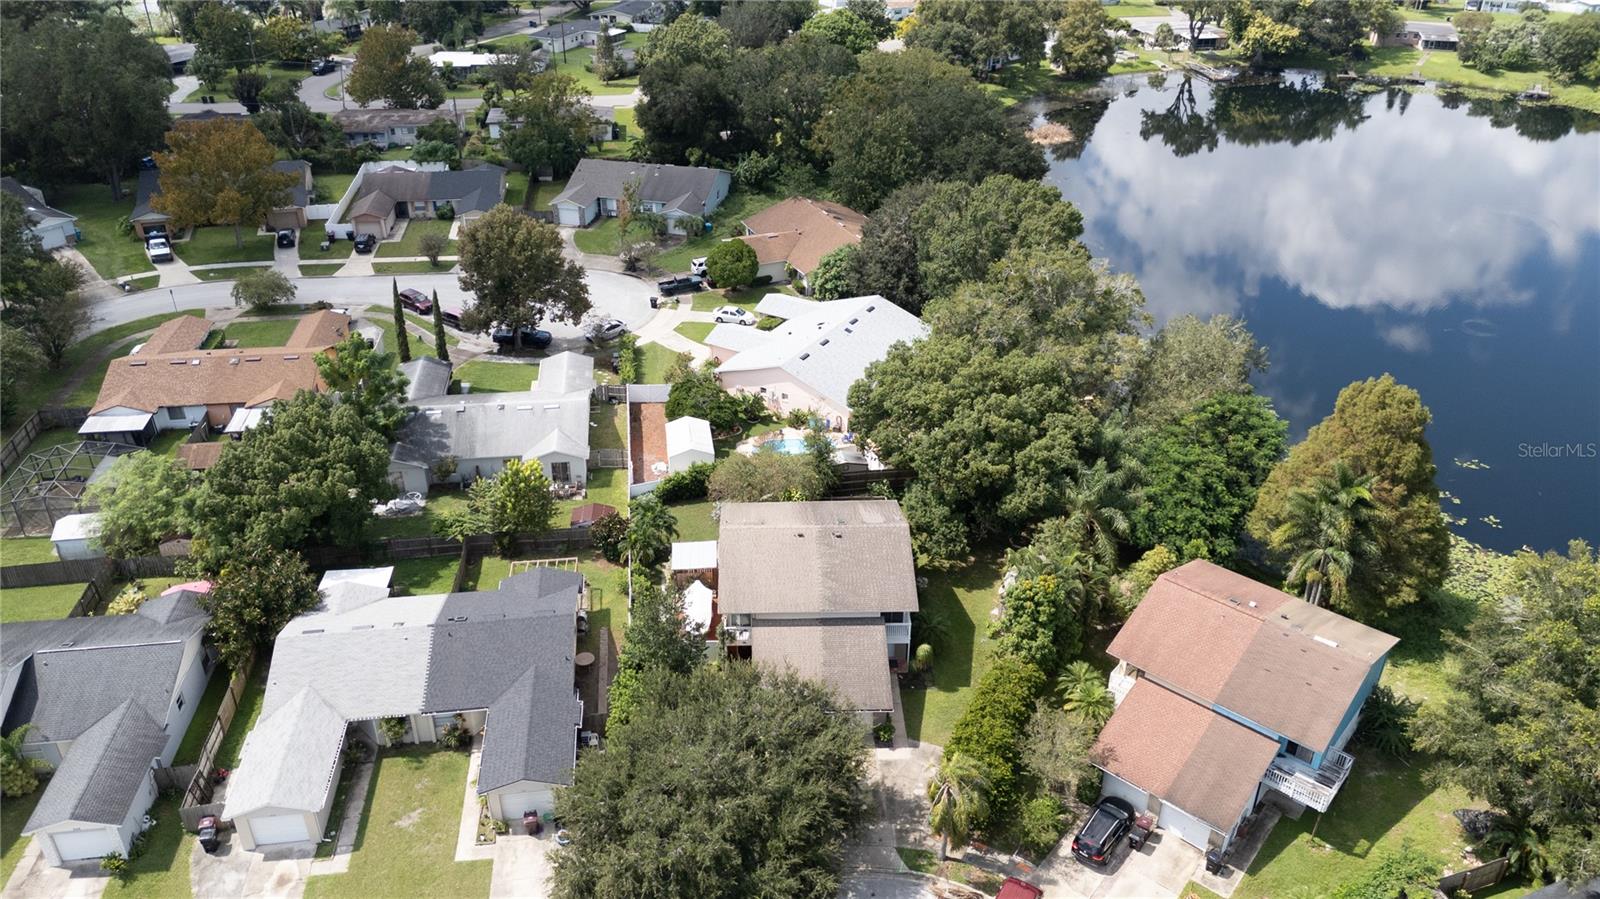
(416, 301)
(1017, 889)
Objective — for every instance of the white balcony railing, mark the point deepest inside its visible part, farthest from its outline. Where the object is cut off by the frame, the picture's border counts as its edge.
(898, 633)
(1312, 787)
(1121, 681)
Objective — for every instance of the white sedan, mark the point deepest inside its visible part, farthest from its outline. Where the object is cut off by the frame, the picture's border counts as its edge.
(735, 315)
(697, 267)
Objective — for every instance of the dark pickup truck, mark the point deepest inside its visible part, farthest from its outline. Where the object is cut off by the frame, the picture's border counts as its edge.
(685, 284)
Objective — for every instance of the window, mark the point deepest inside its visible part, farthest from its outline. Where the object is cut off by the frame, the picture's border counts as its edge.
(1303, 753)
(180, 701)
(561, 472)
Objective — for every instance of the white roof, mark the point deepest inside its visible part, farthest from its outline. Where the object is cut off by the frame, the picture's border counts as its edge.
(463, 59)
(830, 347)
(735, 337)
(693, 555)
(565, 373)
(76, 527)
(244, 419)
(783, 305)
(697, 607)
(689, 435)
(115, 423)
(306, 729)
(370, 661)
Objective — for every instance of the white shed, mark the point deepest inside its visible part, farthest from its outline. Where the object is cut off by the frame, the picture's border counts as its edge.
(688, 442)
(74, 537)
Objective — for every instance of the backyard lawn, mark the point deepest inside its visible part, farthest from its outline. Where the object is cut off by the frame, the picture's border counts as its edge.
(205, 714)
(410, 243)
(425, 577)
(654, 360)
(14, 813)
(27, 550)
(330, 187)
(694, 521)
(207, 246)
(111, 252)
(38, 603)
(961, 599)
(260, 332)
(439, 502)
(255, 691)
(485, 573)
(497, 377)
(406, 844)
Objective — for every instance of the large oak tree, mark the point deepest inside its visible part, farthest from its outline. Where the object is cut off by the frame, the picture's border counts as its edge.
(514, 268)
(219, 172)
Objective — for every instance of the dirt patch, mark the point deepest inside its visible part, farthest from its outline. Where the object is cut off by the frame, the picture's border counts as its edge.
(410, 820)
(647, 430)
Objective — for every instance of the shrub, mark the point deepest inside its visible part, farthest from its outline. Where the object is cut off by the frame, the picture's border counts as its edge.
(393, 729)
(1408, 871)
(732, 264)
(762, 281)
(754, 170)
(445, 213)
(687, 485)
(628, 365)
(1038, 624)
(115, 864)
(1386, 722)
(610, 536)
(883, 732)
(432, 246)
(993, 728)
(129, 600)
(1041, 823)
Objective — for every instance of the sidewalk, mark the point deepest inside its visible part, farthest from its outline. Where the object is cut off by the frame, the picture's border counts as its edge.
(660, 329)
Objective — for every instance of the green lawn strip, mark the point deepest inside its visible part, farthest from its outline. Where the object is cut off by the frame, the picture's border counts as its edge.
(406, 845)
(26, 550)
(426, 324)
(421, 267)
(205, 715)
(655, 359)
(166, 444)
(497, 377)
(143, 283)
(231, 273)
(14, 813)
(321, 269)
(310, 245)
(260, 332)
(383, 318)
(162, 871)
(628, 128)
(208, 246)
(608, 486)
(52, 438)
(410, 243)
(516, 188)
(439, 502)
(425, 577)
(695, 521)
(486, 573)
(605, 431)
(695, 331)
(38, 603)
(88, 389)
(608, 598)
(255, 691)
(224, 91)
(744, 297)
(330, 187)
(111, 252)
(962, 599)
(1446, 66)
(1136, 8)
(925, 862)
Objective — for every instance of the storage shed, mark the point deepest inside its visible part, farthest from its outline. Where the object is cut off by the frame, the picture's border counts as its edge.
(688, 442)
(74, 535)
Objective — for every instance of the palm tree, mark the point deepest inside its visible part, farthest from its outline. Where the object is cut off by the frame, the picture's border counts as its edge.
(1327, 529)
(651, 529)
(1094, 504)
(1075, 677)
(1092, 702)
(958, 795)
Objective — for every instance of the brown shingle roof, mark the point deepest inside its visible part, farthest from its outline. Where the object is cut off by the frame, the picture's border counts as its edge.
(849, 655)
(815, 558)
(320, 329)
(1184, 753)
(176, 335)
(200, 456)
(817, 228)
(1226, 639)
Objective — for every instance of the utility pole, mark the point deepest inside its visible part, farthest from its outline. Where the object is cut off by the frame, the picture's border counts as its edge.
(340, 67)
(174, 295)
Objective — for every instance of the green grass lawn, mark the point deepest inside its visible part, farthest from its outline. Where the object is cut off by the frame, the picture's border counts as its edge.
(163, 870)
(410, 243)
(310, 245)
(26, 550)
(695, 331)
(576, 62)
(962, 599)
(260, 332)
(744, 297)
(439, 502)
(207, 246)
(166, 443)
(485, 573)
(38, 603)
(322, 269)
(606, 485)
(497, 377)
(629, 128)
(143, 283)
(608, 598)
(517, 185)
(205, 714)
(601, 237)
(1446, 66)
(425, 577)
(255, 691)
(422, 267)
(383, 318)
(406, 844)
(14, 812)
(88, 389)
(225, 91)
(450, 340)
(111, 252)
(694, 521)
(605, 430)
(331, 185)
(654, 361)
(232, 273)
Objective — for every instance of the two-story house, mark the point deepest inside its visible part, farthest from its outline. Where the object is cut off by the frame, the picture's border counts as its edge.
(825, 588)
(1227, 689)
(108, 698)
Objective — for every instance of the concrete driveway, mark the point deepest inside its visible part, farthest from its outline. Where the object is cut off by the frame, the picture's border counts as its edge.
(885, 886)
(521, 866)
(235, 873)
(36, 878)
(1157, 871)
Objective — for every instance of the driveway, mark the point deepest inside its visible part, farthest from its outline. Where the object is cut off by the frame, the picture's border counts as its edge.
(885, 886)
(1159, 870)
(235, 873)
(521, 866)
(36, 878)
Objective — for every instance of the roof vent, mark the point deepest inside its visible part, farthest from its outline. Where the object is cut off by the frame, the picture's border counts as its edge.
(499, 405)
(1252, 603)
(315, 630)
(1234, 600)
(252, 358)
(824, 342)
(363, 627)
(233, 361)
(291, 358)
(1325, 641)
(138, 362)
(799, 533)
(175, 362)
(849, 330)
(70, 643)
(457, 618)
(804, 356)
(194, 361)
(870, 308)
(854, 320)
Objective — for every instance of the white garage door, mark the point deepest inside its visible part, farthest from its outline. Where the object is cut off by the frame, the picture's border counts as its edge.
(1112, 785)
(515, 805)
(1194, 831)
(86, 843)
(279, 829)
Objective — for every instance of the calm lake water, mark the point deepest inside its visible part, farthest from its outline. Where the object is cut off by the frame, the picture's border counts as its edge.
(1453, 243)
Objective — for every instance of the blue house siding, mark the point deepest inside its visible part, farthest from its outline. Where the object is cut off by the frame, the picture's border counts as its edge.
(1255, 726)
(1373, 674)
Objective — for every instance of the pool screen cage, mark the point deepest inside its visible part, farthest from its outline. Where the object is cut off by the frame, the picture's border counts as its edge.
(48, 486)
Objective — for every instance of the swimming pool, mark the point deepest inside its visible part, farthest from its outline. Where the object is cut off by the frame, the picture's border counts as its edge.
(789, 446)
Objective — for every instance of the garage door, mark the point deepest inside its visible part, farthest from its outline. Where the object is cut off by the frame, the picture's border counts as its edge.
(86, 843)
(1112, 785)
(279, 829)
(1194, 831)
(515, 805)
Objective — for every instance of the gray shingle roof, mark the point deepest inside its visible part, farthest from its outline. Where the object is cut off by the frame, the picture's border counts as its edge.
(368, 121)
(554, 416)
(35, 209)
(298, 194)
(427, 376)
(815, 558)
(848, 655)
(305, 729)
(678, 187)
(149, 186)
(103, 772)
(469, 190)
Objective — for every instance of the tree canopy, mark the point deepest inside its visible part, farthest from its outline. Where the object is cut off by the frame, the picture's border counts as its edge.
(977, 34)
(385, 70)
(1188, 362)
(844, 28)
(652, 815)
(731, 264)
(141, 502)
(555, 123)
(686, 105)
(219, 172)
(514, 268)
(1084, 48)
(366, 381)
(256, 591)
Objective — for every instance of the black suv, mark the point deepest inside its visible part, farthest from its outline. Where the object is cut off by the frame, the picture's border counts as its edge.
(365, 243)
(1107, 825)
(324, 66)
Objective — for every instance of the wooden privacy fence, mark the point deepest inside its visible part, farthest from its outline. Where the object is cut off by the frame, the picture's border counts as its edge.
(197, 795)
(398, 548)
(54, 417)
(1474, 879)
(73, 571)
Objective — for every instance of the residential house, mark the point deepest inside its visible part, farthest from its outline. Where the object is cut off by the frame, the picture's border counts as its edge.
(169, 382)
(426, 377)
(796, 233)
(398, 191)
(824, 588)
(1421, 35)
(895, 10)
(559, 37)
(292, 215)
(480, 432)
(604, 125)
(179, 55)
(675, 191)
(145, 220)
(109, 698)
(387, 127)
(1228, 690)
(1211, 37)
(642, 15)
(211, 115)
(499, 662)
(464, 62)
(810, 361)
(52, 227)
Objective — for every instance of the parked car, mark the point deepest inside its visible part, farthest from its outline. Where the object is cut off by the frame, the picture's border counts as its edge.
(698, 266)
(684, 284)
(606, 331)
(1105, 828)
(416, 301)
(286, 238)
(365, 243)
(158, 249)
(735, 314)
(531, 337)
(1013, 888)
(451, 317)
(324, 67)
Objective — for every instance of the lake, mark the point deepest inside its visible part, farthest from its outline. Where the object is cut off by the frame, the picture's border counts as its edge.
(1453, 243)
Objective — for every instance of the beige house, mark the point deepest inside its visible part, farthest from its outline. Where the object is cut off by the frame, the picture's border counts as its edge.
(797, 233)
